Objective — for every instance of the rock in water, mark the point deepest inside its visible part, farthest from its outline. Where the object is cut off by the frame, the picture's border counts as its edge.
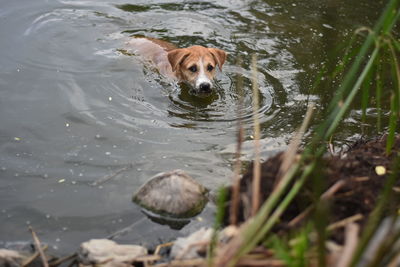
(193, 246)
(172, 193)
(107, 253)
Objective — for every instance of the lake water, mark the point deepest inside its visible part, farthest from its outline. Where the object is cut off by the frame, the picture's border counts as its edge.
(74, 109)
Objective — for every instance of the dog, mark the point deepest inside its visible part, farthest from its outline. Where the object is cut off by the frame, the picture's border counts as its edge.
(195, 65)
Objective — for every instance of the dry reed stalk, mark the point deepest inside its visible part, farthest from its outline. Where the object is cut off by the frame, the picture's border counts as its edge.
(39, 248)
(234, 205)
(63, 260)
(255, 202)
(32, 258)
(395, 261)
(344, 222)
(333, 226)
(230, 250)
(289, 156)
(350, 245)
(148, 260)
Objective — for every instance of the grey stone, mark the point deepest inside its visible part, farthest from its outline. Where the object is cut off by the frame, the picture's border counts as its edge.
(107, 253)
(172, 193)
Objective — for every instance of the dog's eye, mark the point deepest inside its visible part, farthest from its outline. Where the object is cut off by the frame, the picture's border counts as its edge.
(193, 68)
(210, 67)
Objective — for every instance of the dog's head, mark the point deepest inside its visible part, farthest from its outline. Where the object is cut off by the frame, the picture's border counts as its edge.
(196, 65)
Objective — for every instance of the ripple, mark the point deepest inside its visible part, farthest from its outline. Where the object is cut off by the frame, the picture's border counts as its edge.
(72, 40)
(223, 105)
(86, 109)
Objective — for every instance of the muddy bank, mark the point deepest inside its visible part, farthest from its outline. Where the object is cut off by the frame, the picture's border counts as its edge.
(359, 174)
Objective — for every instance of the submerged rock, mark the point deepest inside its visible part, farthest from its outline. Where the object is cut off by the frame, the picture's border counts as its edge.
(172, 193)
(107, 253)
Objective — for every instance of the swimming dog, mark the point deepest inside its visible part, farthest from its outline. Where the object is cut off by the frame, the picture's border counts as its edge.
(195, 65)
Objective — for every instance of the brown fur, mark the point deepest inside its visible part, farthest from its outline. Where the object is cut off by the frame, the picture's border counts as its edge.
(177, 62)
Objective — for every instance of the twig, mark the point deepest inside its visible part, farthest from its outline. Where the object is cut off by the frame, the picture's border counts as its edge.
(62, 260)
(190, 246)
(327, 195)
(350, 245)
(234, 205)
(148, 258)
(158, 248)
(344, 222)
(182, 263)
(39, 248)
(333, 226)
(33, 257)
(255, 203)
(260, 262)
(111, 176)
(361, 179)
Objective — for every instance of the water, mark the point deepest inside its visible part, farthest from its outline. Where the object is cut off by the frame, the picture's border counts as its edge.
(74, 109)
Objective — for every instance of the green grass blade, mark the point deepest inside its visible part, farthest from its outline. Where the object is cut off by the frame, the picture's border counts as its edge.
(395, 100)
(379, 88)
(250, 241)
(348, 54)
(365, 97)
(392, 123)
(341, 109)
(384, 25)
(253, 229)
(391, 19)
(300, 249)
(396, 44)
(219, 219)
(281, 250)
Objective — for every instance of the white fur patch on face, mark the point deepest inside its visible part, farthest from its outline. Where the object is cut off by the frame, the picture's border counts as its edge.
(202, 77)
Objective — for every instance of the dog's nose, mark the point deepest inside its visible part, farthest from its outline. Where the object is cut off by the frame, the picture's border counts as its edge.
(205, 87)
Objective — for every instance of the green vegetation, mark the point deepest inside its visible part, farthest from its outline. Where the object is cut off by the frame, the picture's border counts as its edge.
(370, 72)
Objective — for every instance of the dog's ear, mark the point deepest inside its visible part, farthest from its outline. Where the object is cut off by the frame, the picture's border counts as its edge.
(177, 56)
(218, 55)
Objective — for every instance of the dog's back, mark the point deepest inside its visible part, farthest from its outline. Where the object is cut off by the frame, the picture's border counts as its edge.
(154, 50)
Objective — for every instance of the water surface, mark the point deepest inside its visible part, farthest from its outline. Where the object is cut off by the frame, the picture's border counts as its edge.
(74, 109)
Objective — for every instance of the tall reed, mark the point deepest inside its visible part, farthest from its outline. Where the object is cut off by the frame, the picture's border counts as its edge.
(358, 72)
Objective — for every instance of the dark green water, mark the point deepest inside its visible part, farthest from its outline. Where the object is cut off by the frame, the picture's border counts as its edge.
(73, 109)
